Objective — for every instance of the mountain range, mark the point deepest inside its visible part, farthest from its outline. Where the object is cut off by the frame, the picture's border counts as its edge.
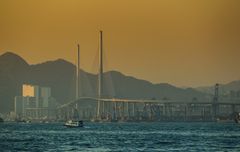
(60, 76)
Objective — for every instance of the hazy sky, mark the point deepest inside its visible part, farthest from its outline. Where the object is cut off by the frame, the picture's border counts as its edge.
(182, 42)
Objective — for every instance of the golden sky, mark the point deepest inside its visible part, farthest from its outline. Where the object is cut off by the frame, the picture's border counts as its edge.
(182, 42)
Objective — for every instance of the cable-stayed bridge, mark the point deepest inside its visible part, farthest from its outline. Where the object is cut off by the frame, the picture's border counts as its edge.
(132, 109)
(117, 109)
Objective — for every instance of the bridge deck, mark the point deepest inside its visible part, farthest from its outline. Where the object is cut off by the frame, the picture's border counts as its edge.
(147, 101)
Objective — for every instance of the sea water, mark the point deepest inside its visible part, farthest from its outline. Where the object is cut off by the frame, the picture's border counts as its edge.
(154, 136)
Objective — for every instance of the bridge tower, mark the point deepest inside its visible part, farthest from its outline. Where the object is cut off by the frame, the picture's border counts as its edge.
(75, 110)
(78, 72)
(100, 74)
(215, 105)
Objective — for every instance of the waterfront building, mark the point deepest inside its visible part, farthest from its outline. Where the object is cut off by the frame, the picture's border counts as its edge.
(35, 103)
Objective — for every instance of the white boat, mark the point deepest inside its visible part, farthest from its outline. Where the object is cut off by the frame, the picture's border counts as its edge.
(73, 123)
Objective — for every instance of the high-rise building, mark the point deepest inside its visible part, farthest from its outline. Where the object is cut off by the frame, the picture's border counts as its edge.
(45, 96)
(36, 102)
(31, 91)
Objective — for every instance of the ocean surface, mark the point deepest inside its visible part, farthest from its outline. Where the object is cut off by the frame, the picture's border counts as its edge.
(158, 136)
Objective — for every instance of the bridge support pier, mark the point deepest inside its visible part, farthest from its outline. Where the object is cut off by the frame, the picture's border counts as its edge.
(215, 111)
(128, 113)
(133, 108)
(103, 108)
(115, 111)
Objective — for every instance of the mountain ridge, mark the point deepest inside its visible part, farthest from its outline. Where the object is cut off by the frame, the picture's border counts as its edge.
(60, 76)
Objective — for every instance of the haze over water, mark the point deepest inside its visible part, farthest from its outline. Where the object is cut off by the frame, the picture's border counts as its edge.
(99, 137)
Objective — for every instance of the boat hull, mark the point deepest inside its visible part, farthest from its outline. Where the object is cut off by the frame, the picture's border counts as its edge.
(73, 124)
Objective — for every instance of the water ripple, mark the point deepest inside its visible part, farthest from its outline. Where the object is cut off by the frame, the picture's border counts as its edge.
(121, 137)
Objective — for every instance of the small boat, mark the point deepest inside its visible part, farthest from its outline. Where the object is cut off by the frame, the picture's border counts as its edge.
(237, 118)
(74, 123)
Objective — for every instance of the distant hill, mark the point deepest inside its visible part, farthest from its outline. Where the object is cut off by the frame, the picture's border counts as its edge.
(224, 88)
(60, 76)
(13, 73)
(130, 87)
